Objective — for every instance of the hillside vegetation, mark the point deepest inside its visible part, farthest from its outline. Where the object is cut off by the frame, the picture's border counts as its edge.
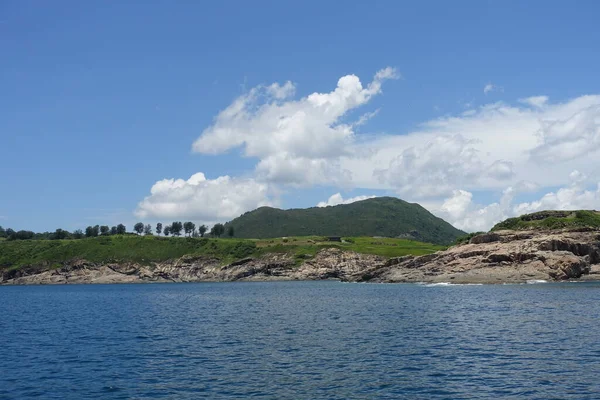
(381, 216)
(148, 249)
(552, 220)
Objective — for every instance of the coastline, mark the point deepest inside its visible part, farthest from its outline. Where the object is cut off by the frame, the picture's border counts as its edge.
(492, 258)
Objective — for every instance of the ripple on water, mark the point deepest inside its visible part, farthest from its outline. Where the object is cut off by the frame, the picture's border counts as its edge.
(300, 340)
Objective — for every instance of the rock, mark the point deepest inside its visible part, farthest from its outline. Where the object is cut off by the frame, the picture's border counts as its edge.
(498, 257)
(485, 238)
(502, 257)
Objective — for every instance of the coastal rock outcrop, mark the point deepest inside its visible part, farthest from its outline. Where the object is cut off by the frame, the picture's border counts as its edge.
(504, 257)
(498, 257)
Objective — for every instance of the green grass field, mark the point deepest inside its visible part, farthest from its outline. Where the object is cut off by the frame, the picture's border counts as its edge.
(307, 246)
(147, 249)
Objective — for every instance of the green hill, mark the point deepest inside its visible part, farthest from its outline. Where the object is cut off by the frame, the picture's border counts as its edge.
(552, 220)
(381, 216)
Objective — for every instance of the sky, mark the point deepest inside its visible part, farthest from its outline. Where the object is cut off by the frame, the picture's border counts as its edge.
(154, 111)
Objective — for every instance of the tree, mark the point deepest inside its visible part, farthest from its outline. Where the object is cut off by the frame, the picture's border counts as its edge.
(148, 229)
(89, 231)
(202, 229)
(77, 234)
(113, 230)
(176, 228)
(158, 228)
(230, 231)
(59, 234)
(189, 227)
(104, 230)
(217, 230)
(138, 228)
(167, 230)
(10, 232)
(2, 232)
(121, 229)
(96, 230)
(21, 235)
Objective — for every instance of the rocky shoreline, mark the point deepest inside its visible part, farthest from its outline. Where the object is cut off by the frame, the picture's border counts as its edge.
(497, 257)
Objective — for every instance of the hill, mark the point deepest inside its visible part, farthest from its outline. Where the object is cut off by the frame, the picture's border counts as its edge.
(552, 220)
(381, 216)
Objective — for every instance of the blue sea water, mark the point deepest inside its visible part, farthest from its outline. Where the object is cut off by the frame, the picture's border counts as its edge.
(300, 340)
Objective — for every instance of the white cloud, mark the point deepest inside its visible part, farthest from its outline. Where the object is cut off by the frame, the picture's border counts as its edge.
(285, 136)
(337, 199)
(525, 147)
(501, 170)
(306, 142)
(281, 92)
(301, 171)
(491, 148)
(366, 117)
(462, 212)
(490, 87)
(535, 101)
(569, 138)
(203, 200)
(574, 197)
(431, 169)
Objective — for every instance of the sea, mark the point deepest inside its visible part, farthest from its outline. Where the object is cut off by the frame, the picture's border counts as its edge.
(300, 340)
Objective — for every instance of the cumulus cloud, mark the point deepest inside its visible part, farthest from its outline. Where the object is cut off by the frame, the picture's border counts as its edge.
(432, 169)
(524, 147)
(337, 199)
(572, 197)
(501, 170)
(286, 136)
(463, 213)
(203, 200)
(490, 148)
(309, 142)
(535, 101)
(281, 92)
(460, 210)
(301, 171)
(570, 138)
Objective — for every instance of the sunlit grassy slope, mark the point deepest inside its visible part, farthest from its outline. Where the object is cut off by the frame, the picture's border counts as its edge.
(14, 254)
(552, 220)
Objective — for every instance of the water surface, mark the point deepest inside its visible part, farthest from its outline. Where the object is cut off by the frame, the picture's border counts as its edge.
(300, 340)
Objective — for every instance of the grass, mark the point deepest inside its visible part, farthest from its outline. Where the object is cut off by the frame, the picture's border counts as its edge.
(466, 238)
(305, 247)
(148, 249)
(141, 249)
(552, 220)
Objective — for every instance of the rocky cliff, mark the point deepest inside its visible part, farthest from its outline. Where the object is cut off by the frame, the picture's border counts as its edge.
(497, 257)
(503, 257)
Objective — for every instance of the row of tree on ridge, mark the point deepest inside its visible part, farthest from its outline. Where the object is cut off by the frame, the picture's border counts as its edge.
(174, 229)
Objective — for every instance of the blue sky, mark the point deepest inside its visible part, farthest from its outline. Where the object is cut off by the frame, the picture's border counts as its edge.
(101, 100)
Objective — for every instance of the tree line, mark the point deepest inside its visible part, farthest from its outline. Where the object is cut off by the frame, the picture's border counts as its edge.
(189, 229)
(174, 229)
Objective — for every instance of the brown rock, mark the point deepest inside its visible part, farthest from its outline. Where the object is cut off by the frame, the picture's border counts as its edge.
(500, 257)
